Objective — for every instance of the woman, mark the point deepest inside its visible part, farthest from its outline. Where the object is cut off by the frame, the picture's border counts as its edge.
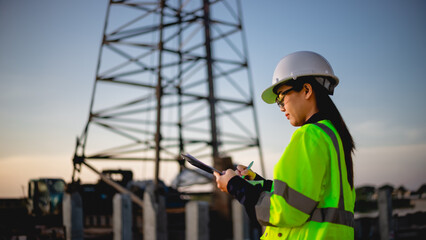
(312, 194)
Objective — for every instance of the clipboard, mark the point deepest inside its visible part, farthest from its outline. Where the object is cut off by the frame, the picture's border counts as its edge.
(197, 163)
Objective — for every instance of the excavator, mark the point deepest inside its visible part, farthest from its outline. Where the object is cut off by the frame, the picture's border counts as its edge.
(38, 214)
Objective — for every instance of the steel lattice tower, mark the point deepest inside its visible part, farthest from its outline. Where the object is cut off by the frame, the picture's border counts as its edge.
(172, 77)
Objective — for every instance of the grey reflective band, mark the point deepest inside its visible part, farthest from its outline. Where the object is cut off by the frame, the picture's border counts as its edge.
(333, 215)
(294, 198)
(262, 208)
(333, 137)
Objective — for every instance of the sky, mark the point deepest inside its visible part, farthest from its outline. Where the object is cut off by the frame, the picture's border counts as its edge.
(48, 57)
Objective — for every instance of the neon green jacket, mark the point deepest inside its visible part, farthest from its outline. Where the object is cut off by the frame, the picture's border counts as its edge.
(311, 197)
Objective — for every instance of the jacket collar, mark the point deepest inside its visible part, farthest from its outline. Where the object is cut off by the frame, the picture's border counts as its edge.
(316, 118)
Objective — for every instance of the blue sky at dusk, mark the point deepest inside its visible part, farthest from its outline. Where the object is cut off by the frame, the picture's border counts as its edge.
(48, 57)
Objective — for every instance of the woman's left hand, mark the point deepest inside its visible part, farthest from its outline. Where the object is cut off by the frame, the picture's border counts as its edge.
(222, 180)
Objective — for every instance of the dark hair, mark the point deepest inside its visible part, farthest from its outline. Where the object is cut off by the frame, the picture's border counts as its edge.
(329, 110)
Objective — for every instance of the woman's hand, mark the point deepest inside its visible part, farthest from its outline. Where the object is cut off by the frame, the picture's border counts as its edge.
(242, 171)
(222, 180)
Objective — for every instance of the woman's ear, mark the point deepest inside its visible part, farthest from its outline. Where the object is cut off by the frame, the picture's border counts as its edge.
(307, 88)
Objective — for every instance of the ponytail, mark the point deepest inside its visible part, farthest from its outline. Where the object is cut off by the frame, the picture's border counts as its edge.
(329, 110)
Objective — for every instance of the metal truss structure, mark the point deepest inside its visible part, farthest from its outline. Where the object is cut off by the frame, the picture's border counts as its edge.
(172, 77)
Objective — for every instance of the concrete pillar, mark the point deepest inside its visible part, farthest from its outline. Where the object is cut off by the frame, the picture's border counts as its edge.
(72, 207)
(122, 217)
(385, 214)
(103, 221)
(154, 215)
(240, 221)
(197, 220)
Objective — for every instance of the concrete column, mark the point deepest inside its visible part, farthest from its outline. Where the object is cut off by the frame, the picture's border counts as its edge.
(385, 214)
(197, 220)
(122, 217)
(72, 207)
(154, 215)
(240, 221)
(103, 221)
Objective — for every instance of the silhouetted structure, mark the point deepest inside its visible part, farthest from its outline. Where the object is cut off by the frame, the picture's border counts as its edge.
(408, 213)
(172, 77)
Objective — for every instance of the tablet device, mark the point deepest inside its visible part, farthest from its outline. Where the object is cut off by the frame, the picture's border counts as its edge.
(197, 163)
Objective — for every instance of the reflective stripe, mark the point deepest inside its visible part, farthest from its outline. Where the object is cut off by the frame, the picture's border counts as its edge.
(333, 215)
(262, 208)
(333, 137)
(294, 198)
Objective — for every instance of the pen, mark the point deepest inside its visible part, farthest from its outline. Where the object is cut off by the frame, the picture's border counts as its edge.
(248, 168)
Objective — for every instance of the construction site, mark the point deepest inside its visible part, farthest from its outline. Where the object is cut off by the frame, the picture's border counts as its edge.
(174, 77)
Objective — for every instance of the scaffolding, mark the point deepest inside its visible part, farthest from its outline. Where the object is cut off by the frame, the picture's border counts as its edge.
(172, 77)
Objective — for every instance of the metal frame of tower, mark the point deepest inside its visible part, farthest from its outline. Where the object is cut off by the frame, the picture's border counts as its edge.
(172, 77)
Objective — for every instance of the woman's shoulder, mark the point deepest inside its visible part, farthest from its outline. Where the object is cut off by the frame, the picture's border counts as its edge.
(312, 130)
(313, 126)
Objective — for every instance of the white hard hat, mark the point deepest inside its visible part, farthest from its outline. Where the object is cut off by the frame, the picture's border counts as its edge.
(300, 64)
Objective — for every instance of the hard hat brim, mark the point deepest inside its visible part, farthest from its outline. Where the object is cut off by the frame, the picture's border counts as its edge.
(269, 96)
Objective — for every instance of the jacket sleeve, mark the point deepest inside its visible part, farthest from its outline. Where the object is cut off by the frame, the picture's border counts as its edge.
(298, 180)
(246, 193)
(266, 184)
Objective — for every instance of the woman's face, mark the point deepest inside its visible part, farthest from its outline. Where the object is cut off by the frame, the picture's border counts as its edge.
(296, 106)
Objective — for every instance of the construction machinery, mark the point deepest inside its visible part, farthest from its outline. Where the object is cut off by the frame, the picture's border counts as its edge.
(37, 215)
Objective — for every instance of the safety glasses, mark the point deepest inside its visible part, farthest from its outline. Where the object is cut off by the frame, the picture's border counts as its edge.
(280, 98)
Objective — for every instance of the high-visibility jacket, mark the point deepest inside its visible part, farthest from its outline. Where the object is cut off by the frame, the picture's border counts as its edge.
(311, 197)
